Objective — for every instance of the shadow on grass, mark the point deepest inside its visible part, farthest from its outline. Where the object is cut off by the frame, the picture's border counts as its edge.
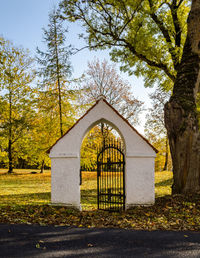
(3, 174)
(29, 195)
(89, 199)
(167, 182)
(22, 199)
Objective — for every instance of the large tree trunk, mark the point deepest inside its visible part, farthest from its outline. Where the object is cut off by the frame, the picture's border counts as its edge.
(181, 112)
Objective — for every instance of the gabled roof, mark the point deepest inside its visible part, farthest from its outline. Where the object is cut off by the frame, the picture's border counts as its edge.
(102, 98)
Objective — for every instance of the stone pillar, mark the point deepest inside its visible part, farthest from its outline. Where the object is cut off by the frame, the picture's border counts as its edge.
(139, 181)
(65, 179)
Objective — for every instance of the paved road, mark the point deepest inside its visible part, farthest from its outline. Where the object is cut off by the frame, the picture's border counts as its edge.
(48, 241)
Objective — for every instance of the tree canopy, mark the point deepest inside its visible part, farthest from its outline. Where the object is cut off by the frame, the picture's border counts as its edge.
(16, 96)
(145, 36)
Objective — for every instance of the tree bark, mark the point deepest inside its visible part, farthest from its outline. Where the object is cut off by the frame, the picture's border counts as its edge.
(10, 167)
(181, 112)
(42, 167)
(166, 155)
(60, 107)
(58, 80)
(103, 135)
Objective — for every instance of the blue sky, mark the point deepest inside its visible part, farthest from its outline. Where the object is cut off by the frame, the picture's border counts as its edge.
(21, 21)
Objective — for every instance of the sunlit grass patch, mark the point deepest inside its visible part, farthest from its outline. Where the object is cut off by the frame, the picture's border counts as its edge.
(89, 191)
(22, 187)
(163, 183)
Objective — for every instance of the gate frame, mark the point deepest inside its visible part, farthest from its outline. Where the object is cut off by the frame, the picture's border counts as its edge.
(114, 145)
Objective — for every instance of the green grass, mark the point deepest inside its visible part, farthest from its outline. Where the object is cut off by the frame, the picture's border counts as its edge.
(22, 187)
(89, 191)
(25, 188)
(163, 183)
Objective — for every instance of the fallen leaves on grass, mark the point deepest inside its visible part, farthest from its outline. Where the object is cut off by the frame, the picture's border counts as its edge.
(178, 212)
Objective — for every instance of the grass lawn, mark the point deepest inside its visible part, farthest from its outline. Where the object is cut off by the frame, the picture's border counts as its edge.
(24, 198)
(24, 188)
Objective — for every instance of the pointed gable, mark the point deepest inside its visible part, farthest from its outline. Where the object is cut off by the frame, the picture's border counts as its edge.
(105, 112)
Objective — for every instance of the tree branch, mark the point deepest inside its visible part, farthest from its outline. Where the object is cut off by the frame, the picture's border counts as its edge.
(164, 32)
(151, 62)
(174, 10)
(112, 36)
(181, 1)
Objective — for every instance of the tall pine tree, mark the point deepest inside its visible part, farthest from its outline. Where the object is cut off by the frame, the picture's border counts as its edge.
(55, 67)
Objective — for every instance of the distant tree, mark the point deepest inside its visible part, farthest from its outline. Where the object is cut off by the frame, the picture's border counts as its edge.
(155, 124)
(16, 96)
(47, 128)
(102, 78)
(89, 149)
(92, 142)
(55, 67)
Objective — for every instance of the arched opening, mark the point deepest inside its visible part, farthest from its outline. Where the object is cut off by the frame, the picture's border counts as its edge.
(102, 168)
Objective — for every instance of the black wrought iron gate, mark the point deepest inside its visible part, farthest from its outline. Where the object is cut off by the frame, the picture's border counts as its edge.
(111, 177)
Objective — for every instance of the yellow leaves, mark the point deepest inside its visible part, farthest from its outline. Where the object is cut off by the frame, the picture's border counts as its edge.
(140, 218)
(90, 245)
(40, 245)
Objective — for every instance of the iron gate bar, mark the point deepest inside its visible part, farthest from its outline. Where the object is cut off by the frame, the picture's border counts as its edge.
(117, 162)
(110, 177)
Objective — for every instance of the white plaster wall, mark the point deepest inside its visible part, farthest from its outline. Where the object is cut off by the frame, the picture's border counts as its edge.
(65, 180)
(65, 155)
(139, 181)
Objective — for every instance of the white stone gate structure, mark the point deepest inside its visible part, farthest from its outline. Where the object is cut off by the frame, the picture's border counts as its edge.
(65, 159)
